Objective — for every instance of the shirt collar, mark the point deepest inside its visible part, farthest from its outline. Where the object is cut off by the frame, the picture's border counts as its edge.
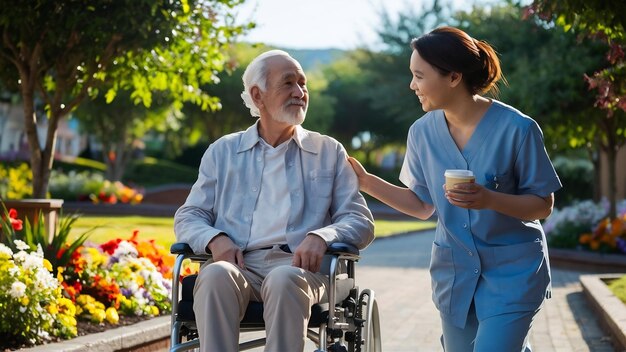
(251, 138)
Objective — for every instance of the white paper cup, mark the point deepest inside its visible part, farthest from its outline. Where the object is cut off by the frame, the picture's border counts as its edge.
(458, 176)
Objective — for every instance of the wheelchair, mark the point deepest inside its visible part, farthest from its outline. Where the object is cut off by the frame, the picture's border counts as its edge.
(348, 322)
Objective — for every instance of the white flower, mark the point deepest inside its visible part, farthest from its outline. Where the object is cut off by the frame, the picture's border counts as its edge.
(32, 262)
(20, 257)
(125, 248)
(21, 245)
(18, 289)
(5, 250)
(14, 270)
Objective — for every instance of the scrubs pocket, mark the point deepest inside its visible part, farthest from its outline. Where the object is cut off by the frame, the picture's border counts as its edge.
(522, 273)
(442, 276)
(503, 183)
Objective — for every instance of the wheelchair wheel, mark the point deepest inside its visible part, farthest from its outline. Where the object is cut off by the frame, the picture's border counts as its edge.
(367, 336)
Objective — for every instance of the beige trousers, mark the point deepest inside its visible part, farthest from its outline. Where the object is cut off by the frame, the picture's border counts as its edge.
(223, 290)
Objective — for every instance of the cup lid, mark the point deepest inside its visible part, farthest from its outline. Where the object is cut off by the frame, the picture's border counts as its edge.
(459, 173)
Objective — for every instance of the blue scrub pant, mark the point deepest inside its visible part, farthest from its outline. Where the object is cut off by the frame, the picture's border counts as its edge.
(501, 333)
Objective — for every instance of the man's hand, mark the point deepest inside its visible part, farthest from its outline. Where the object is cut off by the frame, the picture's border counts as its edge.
(309, 253)
(223, 248)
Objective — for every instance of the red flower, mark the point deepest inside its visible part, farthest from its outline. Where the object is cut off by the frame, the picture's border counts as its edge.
(60, 252)
(111, 246)
(15, 222)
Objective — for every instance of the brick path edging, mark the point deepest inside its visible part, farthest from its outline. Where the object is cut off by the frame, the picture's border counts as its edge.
(610, 309)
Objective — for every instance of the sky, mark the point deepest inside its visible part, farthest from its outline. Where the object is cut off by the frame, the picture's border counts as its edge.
(323, 24)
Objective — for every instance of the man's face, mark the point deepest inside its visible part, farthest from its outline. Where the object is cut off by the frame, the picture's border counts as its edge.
(286, 97)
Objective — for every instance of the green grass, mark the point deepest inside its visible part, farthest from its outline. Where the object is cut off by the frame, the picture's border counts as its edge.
(161, 228)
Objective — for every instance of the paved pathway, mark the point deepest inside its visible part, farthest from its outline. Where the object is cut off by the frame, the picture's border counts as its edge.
(397, 270)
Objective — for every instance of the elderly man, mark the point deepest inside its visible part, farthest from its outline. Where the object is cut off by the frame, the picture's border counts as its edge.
(267, 203)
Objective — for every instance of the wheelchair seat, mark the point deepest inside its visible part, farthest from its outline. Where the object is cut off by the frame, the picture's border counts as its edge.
(352, 326)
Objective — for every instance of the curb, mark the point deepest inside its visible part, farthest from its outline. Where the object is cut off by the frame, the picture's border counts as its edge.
(589, 258)
(610, 309)
(125, 338)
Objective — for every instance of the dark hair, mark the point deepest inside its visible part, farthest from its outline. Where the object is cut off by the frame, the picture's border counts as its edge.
(449, 49)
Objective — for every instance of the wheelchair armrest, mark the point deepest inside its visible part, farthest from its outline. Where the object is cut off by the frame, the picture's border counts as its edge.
(180, 248)
(339, 247)
(334, 248)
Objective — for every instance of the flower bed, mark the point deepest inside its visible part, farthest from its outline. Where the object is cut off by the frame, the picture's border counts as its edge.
(585, 226)
(84, 186)
(49, 288)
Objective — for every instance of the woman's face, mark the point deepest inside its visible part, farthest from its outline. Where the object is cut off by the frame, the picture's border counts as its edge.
(431, 87)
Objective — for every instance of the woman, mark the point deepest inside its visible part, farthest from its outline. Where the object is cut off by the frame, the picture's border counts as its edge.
(489, 265)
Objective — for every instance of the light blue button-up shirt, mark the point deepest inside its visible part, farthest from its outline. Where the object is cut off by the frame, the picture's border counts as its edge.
(323, 189)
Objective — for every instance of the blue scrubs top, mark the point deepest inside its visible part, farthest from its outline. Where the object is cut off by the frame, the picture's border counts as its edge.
(497, 261)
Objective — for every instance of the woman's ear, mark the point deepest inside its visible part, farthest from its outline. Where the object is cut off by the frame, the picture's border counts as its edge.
(455, 79)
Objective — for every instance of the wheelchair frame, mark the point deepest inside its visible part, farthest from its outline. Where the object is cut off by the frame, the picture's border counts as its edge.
(352, 326)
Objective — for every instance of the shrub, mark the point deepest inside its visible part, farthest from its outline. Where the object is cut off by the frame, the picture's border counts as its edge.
(154, 172)
(15, 181)
(576, 175)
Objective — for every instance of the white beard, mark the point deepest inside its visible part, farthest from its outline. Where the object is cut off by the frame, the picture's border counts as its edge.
(289, 117)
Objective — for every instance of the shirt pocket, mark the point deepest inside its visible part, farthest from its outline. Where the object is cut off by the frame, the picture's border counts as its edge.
(501, 182)
(522, 272)
(442, 275)
(321, 182)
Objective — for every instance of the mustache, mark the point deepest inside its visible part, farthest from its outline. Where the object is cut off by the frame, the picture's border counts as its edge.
(295, 101)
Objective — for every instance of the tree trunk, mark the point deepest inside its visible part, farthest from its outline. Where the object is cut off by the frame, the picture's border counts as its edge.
(611, 156)
(596, 161)
(610, 149)
(117, 154)
(40, 182)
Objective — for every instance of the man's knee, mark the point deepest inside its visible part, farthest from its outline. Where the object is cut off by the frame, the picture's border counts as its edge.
(216, 276)
(284, 276)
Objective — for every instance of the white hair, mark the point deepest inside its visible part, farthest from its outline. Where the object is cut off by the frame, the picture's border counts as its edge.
(256, 75)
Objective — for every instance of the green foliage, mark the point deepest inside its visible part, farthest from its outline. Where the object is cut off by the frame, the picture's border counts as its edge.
(153, 172)
(576, 175)
(530, 54)
(379, 88)
(15, 181)
(601, 20)
(70, 50)
(618, 287)
(79, 164)
(583, 15)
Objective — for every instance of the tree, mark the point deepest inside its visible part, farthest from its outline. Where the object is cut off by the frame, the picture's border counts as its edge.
(118, 125)
(544, 67)
(604, 20)
(60, 52)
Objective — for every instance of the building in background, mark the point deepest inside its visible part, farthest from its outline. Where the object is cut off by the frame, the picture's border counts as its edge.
(14, 143)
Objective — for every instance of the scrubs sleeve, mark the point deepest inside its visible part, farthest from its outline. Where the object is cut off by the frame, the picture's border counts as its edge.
(533, 167)
(412, 174)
